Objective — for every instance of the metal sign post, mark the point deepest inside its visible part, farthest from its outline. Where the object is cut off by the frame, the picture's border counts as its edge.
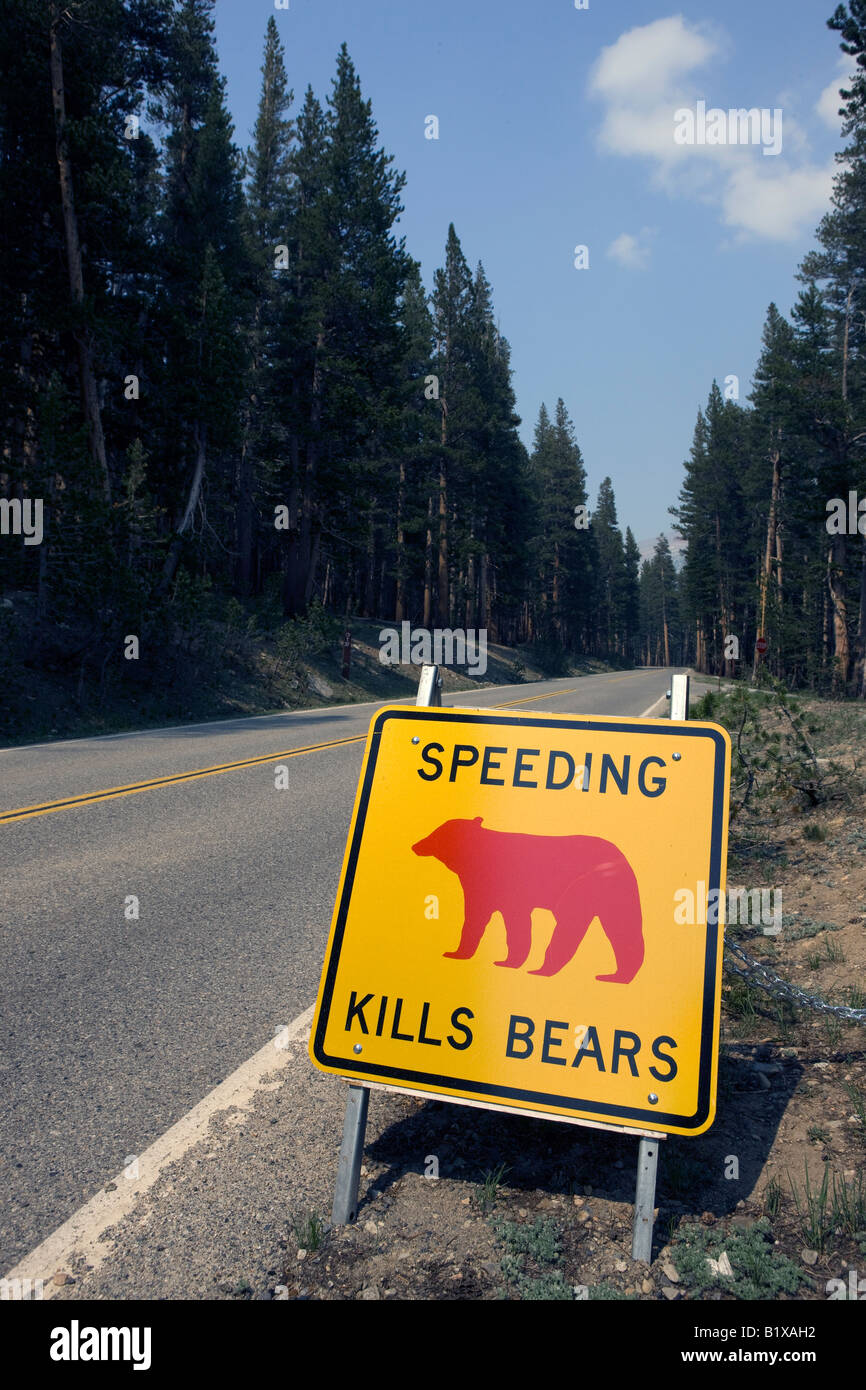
(648, 1149)
(345, 1207)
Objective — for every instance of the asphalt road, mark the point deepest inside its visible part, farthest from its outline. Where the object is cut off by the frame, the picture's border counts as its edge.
(114, 1027)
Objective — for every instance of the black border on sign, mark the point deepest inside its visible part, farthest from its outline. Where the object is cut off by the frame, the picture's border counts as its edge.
(648, 1118)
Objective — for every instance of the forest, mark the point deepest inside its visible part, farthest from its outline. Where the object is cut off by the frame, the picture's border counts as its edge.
(233, 405)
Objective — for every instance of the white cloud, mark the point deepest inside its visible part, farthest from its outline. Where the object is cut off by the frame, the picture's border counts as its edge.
(631, 251)
(642, 78)
(651, 72)
(777, 206)
(645, 63)
(829, 101)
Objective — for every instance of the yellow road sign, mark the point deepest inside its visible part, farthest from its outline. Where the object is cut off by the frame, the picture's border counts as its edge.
(509, 924)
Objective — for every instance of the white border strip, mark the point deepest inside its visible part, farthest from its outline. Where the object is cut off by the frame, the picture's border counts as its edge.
(80, 1235)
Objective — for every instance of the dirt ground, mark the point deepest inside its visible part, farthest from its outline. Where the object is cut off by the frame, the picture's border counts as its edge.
(770, 1203)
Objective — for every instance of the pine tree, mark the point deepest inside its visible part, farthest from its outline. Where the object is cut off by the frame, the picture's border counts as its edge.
(564, 552)
(610, 575)
(76, 273)
(631, 598)
(660, 607)
(351, 271)
(269, 214)
(710, 517)
(838, 270)
(207, 284)
(419, 431)
(494, 514)
(451, 308)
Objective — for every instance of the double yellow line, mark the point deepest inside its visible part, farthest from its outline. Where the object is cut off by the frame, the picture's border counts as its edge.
(132, 788)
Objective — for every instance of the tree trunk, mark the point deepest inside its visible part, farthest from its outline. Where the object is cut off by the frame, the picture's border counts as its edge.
(773, 544)
(315, 544)
(400, 595)
(443, 605)
(173, 556)
(87, 378)
(245, 476)
(471, 581)
(860, 674)
(484, 591)
(428, 567)
(442, 595)
(371, 567)
(245, 521)
(291, 581)
(303, 536)
(836, 587)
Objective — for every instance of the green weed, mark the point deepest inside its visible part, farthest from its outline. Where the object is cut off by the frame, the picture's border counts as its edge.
(488, 1192)
(832, 1029)
(858, 1100)
(849, 1206)
(740, 1000)
(309, 1230)
(773, 1198)
(813, 1210)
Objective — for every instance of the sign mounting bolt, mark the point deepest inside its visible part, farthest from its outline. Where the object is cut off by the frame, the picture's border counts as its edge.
(676, 756)
(416, 739)
(652, 1097)
(357, 1048)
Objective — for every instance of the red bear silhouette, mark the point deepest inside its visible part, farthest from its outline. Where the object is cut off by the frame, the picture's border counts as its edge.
(577, 877)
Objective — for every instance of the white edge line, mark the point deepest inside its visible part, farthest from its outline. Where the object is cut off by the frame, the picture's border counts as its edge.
(661, 701)
(81, 1233)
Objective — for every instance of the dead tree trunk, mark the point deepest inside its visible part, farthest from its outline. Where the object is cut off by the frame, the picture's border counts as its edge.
(83, 347)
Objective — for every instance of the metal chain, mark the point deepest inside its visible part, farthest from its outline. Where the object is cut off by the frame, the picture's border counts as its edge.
(766, 979)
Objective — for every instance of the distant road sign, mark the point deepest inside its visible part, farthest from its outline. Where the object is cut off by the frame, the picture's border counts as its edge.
(505, 926)
(761, 645)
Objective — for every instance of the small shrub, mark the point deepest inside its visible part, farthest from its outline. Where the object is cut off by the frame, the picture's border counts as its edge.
(760, 1271)
(540, 1244)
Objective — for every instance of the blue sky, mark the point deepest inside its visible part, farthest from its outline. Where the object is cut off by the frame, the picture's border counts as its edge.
(556, 130)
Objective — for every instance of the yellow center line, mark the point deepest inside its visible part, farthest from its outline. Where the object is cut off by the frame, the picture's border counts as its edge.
(528, 699)
(131, 788)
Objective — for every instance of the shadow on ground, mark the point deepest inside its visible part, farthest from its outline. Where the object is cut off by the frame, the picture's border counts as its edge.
(709, 1173)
